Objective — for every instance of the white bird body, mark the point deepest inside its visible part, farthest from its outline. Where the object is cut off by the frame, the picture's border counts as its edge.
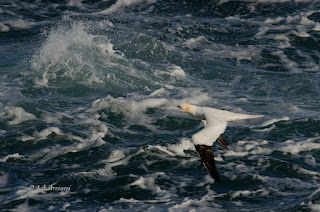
(215, 123)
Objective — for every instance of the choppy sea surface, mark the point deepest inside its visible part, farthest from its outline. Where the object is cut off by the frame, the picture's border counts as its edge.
(88, 90)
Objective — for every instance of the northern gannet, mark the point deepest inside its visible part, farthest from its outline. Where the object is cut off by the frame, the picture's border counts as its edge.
(215, 122)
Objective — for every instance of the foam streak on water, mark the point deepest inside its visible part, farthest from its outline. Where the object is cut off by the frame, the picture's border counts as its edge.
(88, 96)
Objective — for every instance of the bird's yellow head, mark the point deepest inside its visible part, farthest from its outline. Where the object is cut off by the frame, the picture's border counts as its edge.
(187, 108)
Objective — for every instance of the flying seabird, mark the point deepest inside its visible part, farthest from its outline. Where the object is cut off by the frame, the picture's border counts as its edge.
(215, 122)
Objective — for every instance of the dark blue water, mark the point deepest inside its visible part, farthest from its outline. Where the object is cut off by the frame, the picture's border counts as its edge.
(87, 91)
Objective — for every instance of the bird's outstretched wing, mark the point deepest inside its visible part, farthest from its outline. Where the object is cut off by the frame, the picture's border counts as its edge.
(207, 159)
(220, 139)
(211, 132)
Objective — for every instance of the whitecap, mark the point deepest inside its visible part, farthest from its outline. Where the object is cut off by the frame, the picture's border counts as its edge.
(246, 193)
(42, 135)
(15, 155)
(149, 182)
(4, 28)
(120, 4)
(273, 20)
(105, 172)
(68, 52)
(20, 24)
(175, 71)
(246, 148)
(115, 155)
(316, 27)
(94, 139)
(313, 206)
(310, 160)
(294, 148)
(208, 180)
(232, 153)
(16, 115)
(204, 203)
(159, 92)
(2, 132)
(116, 158)
(26, 207)
(180, 148)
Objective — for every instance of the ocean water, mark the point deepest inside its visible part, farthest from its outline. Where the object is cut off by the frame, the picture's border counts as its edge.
(88, 90)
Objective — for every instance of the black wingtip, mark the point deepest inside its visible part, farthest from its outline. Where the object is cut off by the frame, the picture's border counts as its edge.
(207, 159)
